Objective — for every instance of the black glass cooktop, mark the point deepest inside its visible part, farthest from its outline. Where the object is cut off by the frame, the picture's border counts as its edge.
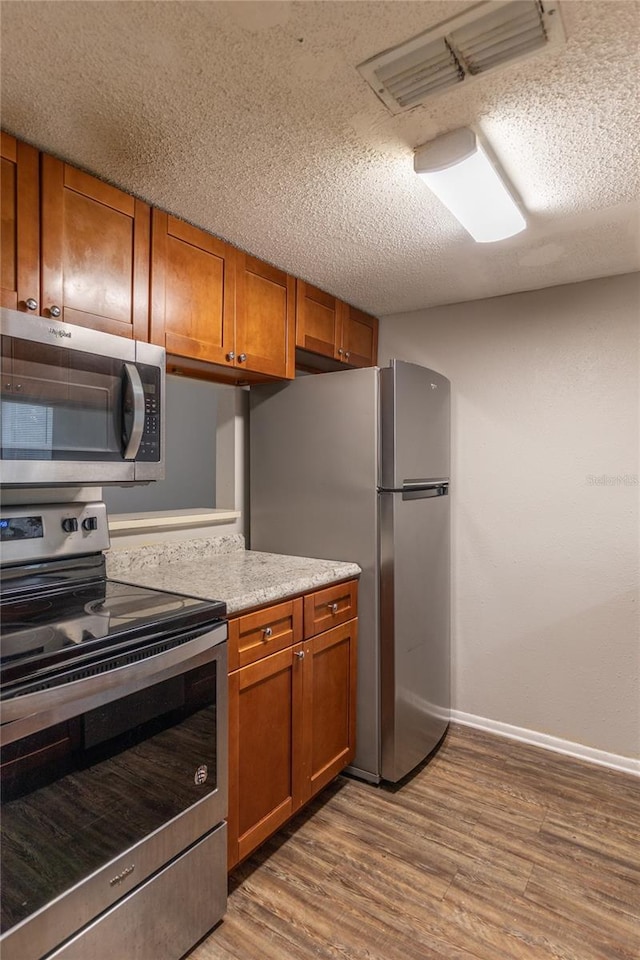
(48, 628)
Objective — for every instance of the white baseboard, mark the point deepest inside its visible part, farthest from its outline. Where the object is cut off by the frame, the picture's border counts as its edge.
(579, 750)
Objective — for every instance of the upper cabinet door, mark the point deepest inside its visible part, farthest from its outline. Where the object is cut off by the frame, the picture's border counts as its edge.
(359, 337)
(20, 263)
(265, 318)
(192, 291)
(317, 321)
(331, 328)
(95, 252)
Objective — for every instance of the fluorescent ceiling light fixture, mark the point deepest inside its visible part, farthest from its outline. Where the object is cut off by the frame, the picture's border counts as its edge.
(459, 172)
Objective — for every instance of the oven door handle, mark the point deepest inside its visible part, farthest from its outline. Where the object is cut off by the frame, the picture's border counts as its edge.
(134, 439)
(23, 715)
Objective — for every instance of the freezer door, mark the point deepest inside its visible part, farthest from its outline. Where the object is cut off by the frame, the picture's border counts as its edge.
(415, 424)
(414, 637)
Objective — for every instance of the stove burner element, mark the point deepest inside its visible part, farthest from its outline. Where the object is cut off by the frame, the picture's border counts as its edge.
(38, 639)
(37, 606)
(48, 623)
(131, 606)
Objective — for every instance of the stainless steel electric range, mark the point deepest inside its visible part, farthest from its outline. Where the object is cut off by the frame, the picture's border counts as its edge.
(113, 750)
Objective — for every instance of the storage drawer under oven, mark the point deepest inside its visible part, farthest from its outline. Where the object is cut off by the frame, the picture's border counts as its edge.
(165, 916)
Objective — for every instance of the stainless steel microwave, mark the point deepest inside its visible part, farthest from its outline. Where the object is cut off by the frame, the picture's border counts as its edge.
(78, 406)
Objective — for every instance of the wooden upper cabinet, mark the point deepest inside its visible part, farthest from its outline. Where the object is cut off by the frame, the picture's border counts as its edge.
(265, 318)
(80, 250)
(317, 320)
(359, 337)
(327, 327)
(95, 252)
(20, 237)
(192, 291)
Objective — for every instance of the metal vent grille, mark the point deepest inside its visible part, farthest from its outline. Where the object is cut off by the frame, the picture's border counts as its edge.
(417, 75)
(462, 48)
(507, 33)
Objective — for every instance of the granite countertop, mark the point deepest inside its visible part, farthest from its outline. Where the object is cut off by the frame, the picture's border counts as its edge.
(221, 569)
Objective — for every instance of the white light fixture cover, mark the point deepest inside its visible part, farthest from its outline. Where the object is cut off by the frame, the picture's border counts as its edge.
(459, 172)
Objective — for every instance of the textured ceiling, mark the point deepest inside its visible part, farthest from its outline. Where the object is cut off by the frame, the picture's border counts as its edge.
(251, 120)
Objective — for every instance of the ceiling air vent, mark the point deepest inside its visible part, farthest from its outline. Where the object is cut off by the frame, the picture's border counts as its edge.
(489, 35)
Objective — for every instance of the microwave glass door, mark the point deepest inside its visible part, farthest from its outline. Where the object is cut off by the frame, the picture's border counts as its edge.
(62, 404)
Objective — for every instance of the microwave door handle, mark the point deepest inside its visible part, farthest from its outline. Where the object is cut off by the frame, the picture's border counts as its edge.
(134, 439)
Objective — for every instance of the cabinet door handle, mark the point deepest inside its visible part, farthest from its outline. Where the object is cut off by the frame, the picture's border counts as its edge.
(347, 355)
(31, 304)
(340, 351)
(55, 311)
(242, 358)
(300, 654)
(231, 356)
(333, 607)
(267, 632)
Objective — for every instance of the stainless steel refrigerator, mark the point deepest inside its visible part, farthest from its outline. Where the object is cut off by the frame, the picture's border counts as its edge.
(354, 466)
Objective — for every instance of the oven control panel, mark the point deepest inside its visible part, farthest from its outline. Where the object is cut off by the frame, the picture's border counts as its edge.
(49, 530)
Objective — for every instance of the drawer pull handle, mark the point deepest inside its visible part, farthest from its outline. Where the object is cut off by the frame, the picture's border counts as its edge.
(333, 607)
(300, 654)
(267, 632)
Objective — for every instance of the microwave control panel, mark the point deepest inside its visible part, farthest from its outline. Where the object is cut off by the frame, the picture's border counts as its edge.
(149, 450)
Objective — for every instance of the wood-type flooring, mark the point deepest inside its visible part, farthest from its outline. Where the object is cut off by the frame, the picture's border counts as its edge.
(492, 850)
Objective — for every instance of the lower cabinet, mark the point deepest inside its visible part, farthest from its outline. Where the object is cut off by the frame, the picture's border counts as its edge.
(291, 718)
(329, 717)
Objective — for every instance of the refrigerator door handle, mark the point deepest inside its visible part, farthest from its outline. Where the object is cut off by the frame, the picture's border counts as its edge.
(428, 490)
(424, 484)
(421, 489)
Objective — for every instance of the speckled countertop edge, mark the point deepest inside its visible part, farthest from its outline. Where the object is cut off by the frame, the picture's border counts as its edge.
(243, 579)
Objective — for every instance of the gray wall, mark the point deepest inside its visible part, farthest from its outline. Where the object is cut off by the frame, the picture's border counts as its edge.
(190, 480)
(545, 504)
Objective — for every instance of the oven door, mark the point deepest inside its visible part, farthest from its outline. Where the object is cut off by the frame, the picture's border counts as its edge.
(105, 779)
(78, 406)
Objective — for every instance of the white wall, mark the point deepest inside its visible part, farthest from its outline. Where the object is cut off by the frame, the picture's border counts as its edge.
(545, 507)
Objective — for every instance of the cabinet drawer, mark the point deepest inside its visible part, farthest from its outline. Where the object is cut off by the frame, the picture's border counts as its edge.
(257, 635)
(327, 608)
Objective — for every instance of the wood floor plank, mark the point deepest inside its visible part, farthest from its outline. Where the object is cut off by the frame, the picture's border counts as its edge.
(562, 839)
(620, 894)
(532, 931)
(492, 850)
(599, 910)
